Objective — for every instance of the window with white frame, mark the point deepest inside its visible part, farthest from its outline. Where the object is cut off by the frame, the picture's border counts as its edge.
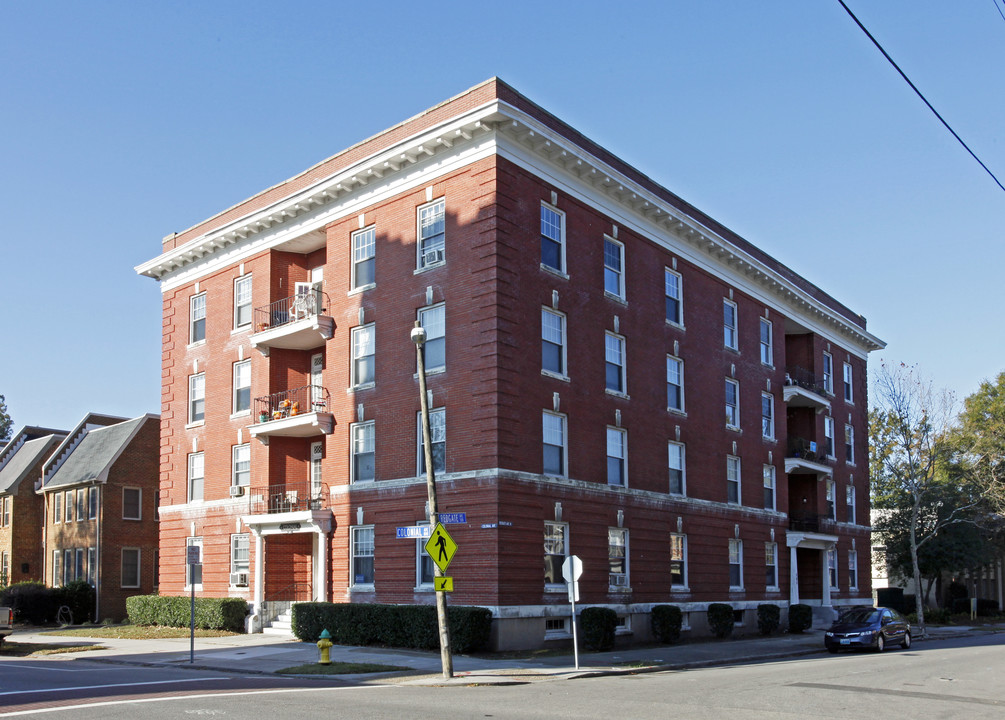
(57, 507)
(556, 549)
(57, 568)
(364, 437)
(829, 436)
(197, 398)
(432, 233)
(732, 403)
(317, 456)
(767, 351)
(242, 301)
(68, 506)
(196, 476)
(193, 572)
(424, 572)
(81, 504)
(729, 334)
(132, 503)
(555, 627)
(771, 565)
(92, 503)
(849, 444)
(849, 393)
(733, 479)
(617, 558)
(5, 568)
(614, 264)
(769, 487)
(437, 438)
(614, 352)
(240, 558)
(678, 561)
(829, 485)
(672, 290)
(675, 384)
(553, 433)
(552, 238)
(735, 564)
(832, 567)
(67, 566)
(130, 567)
(241, 465)
(242, 386)
(828, 373)
(364, 355)
(850, 501)
(617, 442)
(853, 570)
(553, 342)
(92, 565)
(362, 555)
(5, 510)
(197, 319)
(678, 485)
(364, 252)
(434, 350)
(767, 416)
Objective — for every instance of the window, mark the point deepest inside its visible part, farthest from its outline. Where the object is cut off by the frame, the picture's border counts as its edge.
(729, 335)
(362, 555)
(853, 570)
(67, 566)
(617, 558)
(850, 500)
(132, 508)
(57, 507)
(81, 504)
(193, 572)
(849, 394)
(830, 499)
(196, 476)
(240, 557)
(57, 568)
(616, 455)
(556, 549)
(197, 319)
(363, 436)
(130, 568)
(829, 436)
(675, 384)
(437, 438)
(434, 350)
(241, 466)
(555, 627)
(317, 455)
(5, 568)
(614, 349)
(614, 263)
(832, 567)
(678, 561)
(78, 565)
(92, 565)
(767, 354)
(553, 427)
(769, 487)
(242, 386)
(242, 301)
(849, 444)
(424, 572)
(732, 403)
(735, 564)
(733, 479)
(771, 565)
(552, 238)
(363, 350)
(364, 250)
(92, 503)
(767, 416)
(197, 398)
(68, 506)
(431, 234)
(552, 342)
(677, 481)
(828, 374)
(5, 510)
(672, 290)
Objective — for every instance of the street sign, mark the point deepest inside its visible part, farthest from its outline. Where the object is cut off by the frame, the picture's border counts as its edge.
(441, 547)
(572, 568)
(452, 518)
(443, 584)
(413, 532)
(194, 555)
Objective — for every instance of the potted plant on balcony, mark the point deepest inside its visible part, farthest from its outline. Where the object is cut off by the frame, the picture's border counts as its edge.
(263, 416)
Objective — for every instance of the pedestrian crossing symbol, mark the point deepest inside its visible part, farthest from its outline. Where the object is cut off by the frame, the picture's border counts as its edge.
(441, 547)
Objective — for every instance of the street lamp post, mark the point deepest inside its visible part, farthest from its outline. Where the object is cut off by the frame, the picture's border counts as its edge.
(419, 338)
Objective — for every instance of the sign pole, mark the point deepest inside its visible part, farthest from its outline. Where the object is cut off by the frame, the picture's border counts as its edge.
(575, 642)
(191, 645)
(572, 570)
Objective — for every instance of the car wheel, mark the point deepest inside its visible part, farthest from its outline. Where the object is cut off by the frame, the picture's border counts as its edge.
(906, 643)
(880, 643)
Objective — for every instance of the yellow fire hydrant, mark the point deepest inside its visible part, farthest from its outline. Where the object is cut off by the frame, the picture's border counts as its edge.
(324, 648)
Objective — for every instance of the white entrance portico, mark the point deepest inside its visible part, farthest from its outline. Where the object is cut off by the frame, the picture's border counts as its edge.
(809, 541)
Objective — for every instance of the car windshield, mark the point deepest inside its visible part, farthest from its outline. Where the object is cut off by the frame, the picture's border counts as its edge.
(861, 615)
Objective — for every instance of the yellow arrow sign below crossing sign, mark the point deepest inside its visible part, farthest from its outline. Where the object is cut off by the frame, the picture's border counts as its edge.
(441, 547)
(443, 584)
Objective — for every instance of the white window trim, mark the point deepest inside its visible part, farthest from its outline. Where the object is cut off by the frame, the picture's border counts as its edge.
(192, 320)
(233, 465)
(829, 425)
(234, 568)
(735, 425)
(849, 389)
(420, 447)
(739, 546)
(774, 485)
(564, 419)
(627, 586)
(835, 577)
(356, 385)
(420, 553)
(853, 565)
(770, 346)
(122, 567)
(234, 388)
(686, 587)
(623, 392)
(849, 447)
(679, 298)
(189, 478)
(620, 294)
(355, 286)
(560, 586)
(242, 326)
(828, 375)
(735, 327)
(353, 585)
(852, 505)
(139, 503)
(191, 399)
(770, 435)
(683, 467)
(564, 375)
(418, 316)
(352, 450)
(774, 587)
(560, 271)
(739, 480)
(682, 410)
(420, 260)
(624, 454)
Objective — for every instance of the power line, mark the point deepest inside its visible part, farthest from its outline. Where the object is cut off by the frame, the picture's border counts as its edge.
(918, 92)
(998, 9)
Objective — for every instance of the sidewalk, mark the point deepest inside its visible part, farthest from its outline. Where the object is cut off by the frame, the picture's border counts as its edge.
(267, 654)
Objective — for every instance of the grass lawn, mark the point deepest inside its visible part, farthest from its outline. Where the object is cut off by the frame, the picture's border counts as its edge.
(135, 632)
(340, 668)
(16, 649)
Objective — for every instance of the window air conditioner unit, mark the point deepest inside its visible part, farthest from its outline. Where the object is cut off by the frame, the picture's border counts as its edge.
(236, 490)
(239, 578)
(432, 256)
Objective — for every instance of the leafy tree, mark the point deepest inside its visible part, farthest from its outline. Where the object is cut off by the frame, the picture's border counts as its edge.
(980, 439)
(5, 424)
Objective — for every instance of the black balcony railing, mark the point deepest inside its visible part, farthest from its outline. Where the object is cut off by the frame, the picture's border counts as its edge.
(288, 497)
(288, 403)
(806, 522)
(291, 309)
(798, 447)
(795, 375)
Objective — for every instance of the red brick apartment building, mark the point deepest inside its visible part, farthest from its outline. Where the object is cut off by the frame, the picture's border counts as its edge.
(612, 374)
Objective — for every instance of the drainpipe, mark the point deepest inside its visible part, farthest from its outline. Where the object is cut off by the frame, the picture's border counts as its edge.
(97, 555)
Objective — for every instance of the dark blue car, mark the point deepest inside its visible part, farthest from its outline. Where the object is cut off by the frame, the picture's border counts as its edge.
(868, 627)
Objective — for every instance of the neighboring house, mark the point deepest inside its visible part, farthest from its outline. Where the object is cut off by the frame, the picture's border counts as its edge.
(612, 374)
(21, 510)
(100, 489)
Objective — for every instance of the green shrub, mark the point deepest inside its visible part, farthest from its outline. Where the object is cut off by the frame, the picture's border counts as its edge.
(171, 611)
(768, 618)
(599, 625)
(720, 619)
(406, 626)
(938, 616)
(666, 623)
(78, 596)
(800, 617)
(33, 603)
(985, 607)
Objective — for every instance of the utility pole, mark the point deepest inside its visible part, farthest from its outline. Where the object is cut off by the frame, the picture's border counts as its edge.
(419, 338)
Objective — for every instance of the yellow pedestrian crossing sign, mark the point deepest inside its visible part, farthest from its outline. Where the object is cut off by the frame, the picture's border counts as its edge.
(443, 584)
(441, 547)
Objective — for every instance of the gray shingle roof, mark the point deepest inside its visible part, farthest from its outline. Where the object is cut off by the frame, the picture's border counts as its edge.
(23, 461)
(94, 454)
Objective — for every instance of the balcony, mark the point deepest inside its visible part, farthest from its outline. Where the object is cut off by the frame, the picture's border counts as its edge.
(803, 457)
(803, 389)
(807, 522)
(303, 412)
(291, 497)
(294, 323)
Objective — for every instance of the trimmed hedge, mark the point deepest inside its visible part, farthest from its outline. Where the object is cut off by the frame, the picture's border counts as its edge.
(985, 607)
(172, 611)
(36, 604)
(666, 621)
(768, 618)
(800, 617)
(720, 619)
(404, 626)
(599, 626)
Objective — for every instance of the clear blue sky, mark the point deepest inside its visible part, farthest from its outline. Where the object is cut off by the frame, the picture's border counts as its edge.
(121, 122)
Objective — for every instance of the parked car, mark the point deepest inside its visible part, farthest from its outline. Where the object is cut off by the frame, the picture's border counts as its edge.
(868, 627)
(6, 623)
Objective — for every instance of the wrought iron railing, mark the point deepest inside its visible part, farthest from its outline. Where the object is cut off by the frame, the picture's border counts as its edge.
(795, 375)
(807, 450)
(299, 401)
(291, 309)
(806, 522)
(289, 497)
